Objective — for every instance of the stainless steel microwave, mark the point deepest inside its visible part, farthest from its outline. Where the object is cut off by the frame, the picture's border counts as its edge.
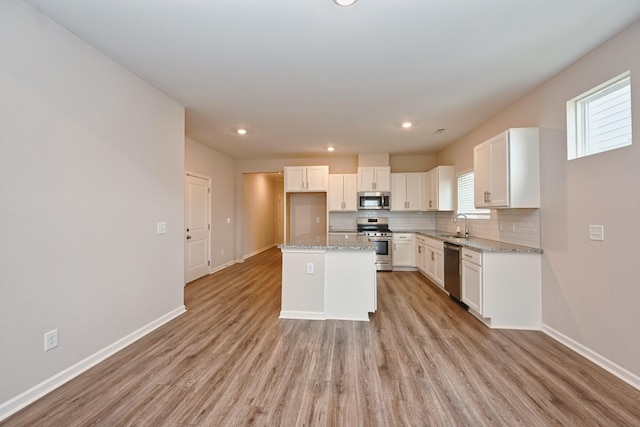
(374, 199)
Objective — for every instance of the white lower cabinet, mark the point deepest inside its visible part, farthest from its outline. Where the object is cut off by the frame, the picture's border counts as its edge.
(503, 289)
(404, 252)
(435, 262)
(421, 254)
(430, 259)
(472, 279)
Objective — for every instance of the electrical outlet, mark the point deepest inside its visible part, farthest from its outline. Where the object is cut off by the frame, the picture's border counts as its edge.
(309, 268)
(222, 252)
(596, 232)
(51, 340)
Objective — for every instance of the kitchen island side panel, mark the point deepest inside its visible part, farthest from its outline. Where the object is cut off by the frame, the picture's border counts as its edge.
(302, 292)
(350, 285)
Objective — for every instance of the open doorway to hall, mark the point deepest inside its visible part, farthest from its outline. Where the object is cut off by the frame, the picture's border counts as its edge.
(263, 211)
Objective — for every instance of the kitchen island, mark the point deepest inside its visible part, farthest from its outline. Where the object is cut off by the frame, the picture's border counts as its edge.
(328, 277)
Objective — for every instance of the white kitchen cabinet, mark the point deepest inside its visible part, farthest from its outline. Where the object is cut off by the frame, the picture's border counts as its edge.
(421, 254)
(376, 178)
(430, 258)
(343, 192)
(435, 262)
(306, 179)
(404, 251)
(507, 170)
(440, 184)
(503, 289)
(472, 279)
(407, 191)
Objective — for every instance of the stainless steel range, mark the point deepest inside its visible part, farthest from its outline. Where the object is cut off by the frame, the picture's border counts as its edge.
(377, 230)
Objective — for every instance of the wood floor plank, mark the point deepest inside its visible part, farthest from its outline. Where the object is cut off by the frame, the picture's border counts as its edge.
(421, 360)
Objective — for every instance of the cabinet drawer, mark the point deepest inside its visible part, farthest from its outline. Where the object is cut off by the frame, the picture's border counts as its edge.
(472, 256)
(402, 236)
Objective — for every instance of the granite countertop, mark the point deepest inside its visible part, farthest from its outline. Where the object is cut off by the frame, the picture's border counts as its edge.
(477, 244)
(329, 242)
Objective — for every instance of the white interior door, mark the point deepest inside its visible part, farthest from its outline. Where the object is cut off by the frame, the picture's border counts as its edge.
(196, 250)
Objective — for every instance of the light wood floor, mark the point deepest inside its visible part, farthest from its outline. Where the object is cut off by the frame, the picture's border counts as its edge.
(420, 361)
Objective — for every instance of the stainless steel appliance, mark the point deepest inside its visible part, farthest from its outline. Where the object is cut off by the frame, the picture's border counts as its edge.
(374, 200)
(377, 230)
(453, 272)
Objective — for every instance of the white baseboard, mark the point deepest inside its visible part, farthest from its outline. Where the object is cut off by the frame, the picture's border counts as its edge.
(305, 315)
(13, 405)
(266, 248)
(222, 267)
(606, 364)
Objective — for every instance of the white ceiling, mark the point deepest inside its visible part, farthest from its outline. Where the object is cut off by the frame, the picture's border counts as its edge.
(304, 74)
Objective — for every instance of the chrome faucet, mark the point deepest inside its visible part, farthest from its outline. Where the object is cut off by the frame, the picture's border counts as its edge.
(466, 224)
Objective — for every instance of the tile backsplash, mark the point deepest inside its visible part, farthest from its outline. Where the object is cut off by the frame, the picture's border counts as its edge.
(516, 226)
(398, 221)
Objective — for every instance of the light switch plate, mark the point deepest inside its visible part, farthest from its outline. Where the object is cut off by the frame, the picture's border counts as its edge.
(596, 232)
(161, 227)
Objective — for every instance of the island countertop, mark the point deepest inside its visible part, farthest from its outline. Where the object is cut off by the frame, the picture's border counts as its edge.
(328, 242)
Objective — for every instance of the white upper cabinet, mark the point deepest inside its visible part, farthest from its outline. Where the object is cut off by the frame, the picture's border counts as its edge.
(439, 194)
(507, 170)
(306, 178)
(343, 192)
(407, 190)
(376, 178)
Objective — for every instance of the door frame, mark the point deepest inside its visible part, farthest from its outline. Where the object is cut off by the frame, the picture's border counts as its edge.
(208, 216)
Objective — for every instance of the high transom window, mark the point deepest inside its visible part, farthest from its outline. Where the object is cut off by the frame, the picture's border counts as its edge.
(600, 119)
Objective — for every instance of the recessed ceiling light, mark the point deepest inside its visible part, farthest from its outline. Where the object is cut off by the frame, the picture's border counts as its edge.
(241, 131)
(330, 148)
(407, 125)
(344, 3)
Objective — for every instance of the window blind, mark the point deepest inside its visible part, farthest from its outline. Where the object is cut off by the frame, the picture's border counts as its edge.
(607, 118)
(466, 204)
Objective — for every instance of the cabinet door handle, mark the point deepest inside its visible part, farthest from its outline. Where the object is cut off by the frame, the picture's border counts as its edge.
(488, 196)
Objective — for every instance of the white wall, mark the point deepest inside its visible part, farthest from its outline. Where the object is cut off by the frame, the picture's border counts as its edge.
(260, 196)
(220, 168)
(91, 157)
(590, 289)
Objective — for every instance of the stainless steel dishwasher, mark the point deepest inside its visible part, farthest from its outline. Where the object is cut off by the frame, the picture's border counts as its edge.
(452, 271)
